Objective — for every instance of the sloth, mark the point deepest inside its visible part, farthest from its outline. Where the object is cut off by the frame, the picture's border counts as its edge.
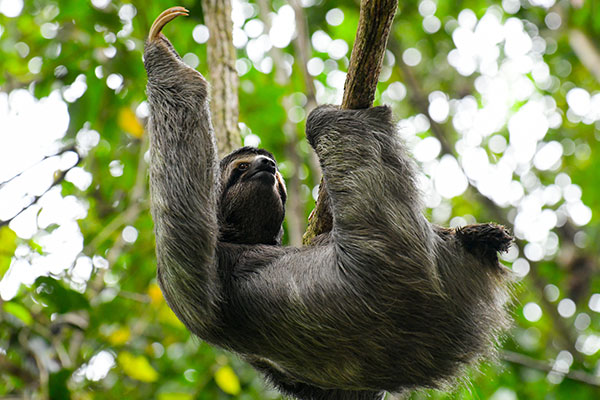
(386, 301)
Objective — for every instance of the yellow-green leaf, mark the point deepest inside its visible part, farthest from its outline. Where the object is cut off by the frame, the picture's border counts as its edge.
(165, 315)
(120, 336)
(137, 367)
(8, 244)
(155, 294)
(175, 396)
(129, 122)
(227, 380)
(18, 311)
(36, 247)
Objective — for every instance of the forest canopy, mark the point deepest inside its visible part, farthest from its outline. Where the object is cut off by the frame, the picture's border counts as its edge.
(498, 101)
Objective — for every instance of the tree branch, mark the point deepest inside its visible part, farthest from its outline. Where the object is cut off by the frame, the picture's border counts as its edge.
(546, 366)
(224, 80)
(418, 98)
(374, 26)
(59, 153)
(587, 53)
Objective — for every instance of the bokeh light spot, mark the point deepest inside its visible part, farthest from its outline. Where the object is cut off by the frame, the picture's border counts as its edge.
(532, 312)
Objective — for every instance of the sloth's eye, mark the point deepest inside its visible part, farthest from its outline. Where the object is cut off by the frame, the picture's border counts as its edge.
(243, 166)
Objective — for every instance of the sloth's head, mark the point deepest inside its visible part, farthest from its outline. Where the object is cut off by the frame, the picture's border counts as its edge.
(253, 194)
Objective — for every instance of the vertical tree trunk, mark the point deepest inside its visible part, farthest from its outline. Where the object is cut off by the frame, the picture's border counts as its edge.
(223, 75)
(374, 26)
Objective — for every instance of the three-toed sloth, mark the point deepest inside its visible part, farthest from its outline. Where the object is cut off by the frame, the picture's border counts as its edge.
(385, 302)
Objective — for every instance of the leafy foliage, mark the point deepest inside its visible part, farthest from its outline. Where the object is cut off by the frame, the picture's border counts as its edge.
(91, 322)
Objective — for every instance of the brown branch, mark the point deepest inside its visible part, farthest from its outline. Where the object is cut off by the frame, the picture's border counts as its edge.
(224, 80)
(421, 104)
(374, 27)
(295, 218)
(264, 7)
(43, 374)
(565, 334)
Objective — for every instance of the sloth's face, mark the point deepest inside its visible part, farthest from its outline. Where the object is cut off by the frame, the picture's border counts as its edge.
(255, 169)
(252, 204)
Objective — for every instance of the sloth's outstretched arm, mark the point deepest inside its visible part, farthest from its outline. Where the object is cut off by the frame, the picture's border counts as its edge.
(183, 180)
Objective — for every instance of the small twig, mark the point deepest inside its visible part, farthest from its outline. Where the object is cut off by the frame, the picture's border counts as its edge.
(295, 207)
(57, 180)
(419, 99)
(112, 226)
(138, 297)
(546, 366)
(43, 375)
(264, 7)
(59, 153)
(61, 352)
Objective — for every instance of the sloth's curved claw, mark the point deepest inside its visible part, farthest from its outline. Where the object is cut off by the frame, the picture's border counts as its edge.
(163, 19)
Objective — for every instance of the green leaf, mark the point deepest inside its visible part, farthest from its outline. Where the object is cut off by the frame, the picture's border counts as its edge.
(175, 396)
(56, 295)
(50, 228)
(57, 385)
(35, 247)
(18, 311)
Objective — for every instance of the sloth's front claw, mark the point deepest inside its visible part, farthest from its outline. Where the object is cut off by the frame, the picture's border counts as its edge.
(163, 19)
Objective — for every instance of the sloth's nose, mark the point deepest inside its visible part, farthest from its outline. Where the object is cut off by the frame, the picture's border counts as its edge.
(266, 164)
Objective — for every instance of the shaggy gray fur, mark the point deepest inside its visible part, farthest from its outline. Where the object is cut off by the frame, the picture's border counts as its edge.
(385, 302)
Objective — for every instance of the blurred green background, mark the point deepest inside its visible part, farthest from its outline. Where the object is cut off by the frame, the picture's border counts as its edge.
(498, 101)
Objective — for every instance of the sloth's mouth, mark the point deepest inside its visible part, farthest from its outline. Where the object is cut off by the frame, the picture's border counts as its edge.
(264, 175)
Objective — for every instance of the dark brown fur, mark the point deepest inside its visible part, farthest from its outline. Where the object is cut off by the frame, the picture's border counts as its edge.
(385, 302)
